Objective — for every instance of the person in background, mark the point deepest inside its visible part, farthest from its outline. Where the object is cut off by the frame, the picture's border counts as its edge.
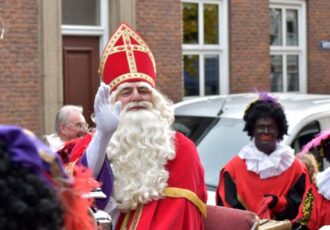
(314, 211)
(265, 177)
(70, 124)
(311, 164)
(36, 193)
(158, 179)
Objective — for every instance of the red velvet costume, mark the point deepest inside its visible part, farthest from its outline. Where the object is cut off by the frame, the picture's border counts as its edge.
(186, 172)
(127, 58)
(314, 211)
(251, 188)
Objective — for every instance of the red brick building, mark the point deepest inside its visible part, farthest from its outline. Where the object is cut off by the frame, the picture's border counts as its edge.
(49, 50)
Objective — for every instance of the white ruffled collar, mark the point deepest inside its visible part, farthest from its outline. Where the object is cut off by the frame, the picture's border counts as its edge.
(323, 183)
(267, 165)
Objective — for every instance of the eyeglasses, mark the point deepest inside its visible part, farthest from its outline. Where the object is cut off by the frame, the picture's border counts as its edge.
(79, 125)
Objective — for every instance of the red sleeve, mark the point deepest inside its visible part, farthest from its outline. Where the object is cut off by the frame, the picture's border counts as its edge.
(220, 198)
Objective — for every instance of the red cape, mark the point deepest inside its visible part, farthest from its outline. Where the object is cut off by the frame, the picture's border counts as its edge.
(186, 172)
(251, 188)
(314, 211)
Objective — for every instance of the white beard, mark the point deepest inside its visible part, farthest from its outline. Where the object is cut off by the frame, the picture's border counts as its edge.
(139, 151)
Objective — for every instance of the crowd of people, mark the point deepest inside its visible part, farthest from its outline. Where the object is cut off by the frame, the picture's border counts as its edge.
(152, 175)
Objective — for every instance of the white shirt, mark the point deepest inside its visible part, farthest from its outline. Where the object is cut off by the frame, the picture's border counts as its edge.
(323, 183)
(54, 141)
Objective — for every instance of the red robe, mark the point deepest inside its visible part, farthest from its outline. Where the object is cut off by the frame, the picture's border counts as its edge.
(175, 212)
(251, 188)
(185, 172)
(314, 211)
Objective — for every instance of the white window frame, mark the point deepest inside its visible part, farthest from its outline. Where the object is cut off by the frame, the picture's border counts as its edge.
(102, 30)
(221, 49)
(300, 50)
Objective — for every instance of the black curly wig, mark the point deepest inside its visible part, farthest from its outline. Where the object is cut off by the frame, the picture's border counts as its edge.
(26, 201)
(262, 109)
(324, 149)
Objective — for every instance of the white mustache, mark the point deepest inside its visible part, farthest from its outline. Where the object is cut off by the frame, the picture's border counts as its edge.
(144, 104)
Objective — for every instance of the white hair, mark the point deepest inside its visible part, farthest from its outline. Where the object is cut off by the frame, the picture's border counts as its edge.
(139, 150)
(63, 114)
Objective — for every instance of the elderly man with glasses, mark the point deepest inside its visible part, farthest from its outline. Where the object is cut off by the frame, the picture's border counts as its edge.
(70, 124)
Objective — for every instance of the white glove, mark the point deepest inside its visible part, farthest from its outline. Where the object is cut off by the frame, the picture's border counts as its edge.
(325, 227)
(105, 119)
(106, 123)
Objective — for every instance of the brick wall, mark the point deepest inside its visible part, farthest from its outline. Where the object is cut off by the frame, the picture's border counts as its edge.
(20, 83)
(249, 45)
(159, 23)
(318, 27)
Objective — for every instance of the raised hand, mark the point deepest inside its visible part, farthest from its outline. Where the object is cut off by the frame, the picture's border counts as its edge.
(106, 119)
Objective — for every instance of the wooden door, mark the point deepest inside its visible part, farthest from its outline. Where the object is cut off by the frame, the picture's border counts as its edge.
(80, 64)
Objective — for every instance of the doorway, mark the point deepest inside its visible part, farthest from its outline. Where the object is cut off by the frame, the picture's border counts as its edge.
(80, 77)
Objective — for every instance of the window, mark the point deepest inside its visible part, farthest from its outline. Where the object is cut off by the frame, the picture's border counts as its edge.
(80, 12)
(288, 45)
(205, 47)
(86, 18)
(2, 28)
(306, 134)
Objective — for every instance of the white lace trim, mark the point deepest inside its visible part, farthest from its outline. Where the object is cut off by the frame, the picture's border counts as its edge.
(267, 165)
(323, 183)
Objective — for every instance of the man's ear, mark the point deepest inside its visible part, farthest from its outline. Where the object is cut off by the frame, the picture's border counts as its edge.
(62, 128)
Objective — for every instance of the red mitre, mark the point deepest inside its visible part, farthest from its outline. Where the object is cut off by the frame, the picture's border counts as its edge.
(127, 58)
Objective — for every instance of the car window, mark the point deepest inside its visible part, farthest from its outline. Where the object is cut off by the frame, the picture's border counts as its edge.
(307, 133)
(217, 142)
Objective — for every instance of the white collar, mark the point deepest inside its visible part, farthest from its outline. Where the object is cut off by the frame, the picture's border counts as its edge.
(54, 142)
(323, 183)
(265, 165)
